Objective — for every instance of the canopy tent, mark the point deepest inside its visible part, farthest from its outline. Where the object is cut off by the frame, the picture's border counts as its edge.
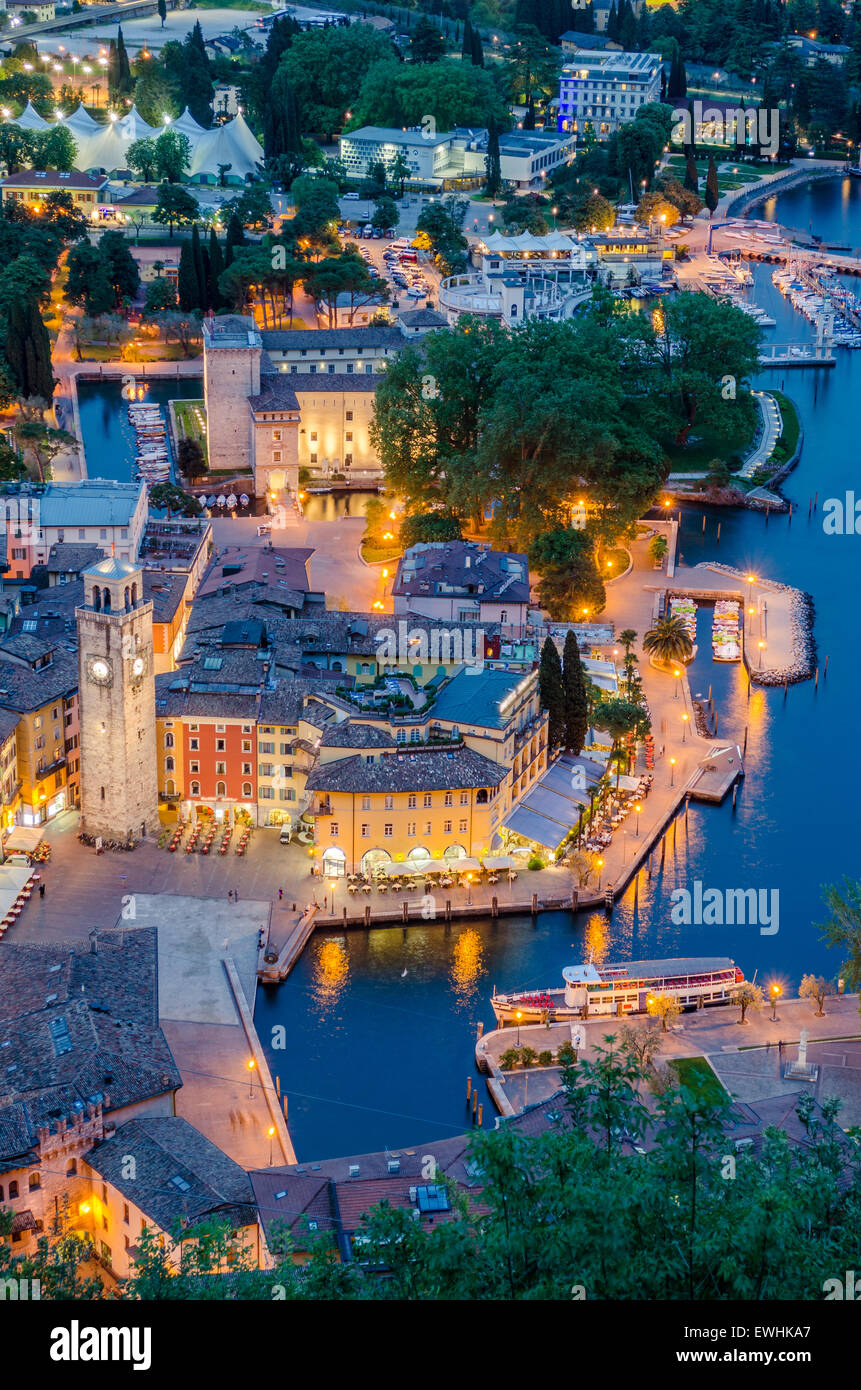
(13, 878)
(530, 825)
(500, 861)
(81, 122)
(135, 127)
(185, 125)
(525, 241)
(30, 119)
(105, 147)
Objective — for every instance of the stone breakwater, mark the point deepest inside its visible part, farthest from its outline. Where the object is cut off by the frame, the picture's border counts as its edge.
(801, 616)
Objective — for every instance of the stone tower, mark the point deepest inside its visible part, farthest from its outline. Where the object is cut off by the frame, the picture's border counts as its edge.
(116, 683)
(232, 348)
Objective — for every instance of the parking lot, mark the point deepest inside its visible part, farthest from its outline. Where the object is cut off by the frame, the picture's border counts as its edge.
(402, 277)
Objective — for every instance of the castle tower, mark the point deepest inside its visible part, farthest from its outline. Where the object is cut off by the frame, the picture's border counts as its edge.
(119, 792)
(232, 348)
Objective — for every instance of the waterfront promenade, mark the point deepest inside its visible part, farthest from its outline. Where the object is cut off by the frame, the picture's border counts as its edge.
(745, 1057)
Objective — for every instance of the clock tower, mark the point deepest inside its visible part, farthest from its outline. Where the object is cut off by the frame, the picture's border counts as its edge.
(116, 691)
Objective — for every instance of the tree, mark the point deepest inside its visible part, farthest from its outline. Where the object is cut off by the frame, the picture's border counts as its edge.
(620, 718)
(427, 44)
(453, 93)
(442, 223)
(215, 269)
(665, 1007)
(327, 68)
(576, 699)
(429, 527)
(43, 443)
(87, 280)
(141, 158)
(551, 692)
(175, 208)
(818, 988)
(235, 238)
(181, 328)
(55, 149)
(253, 207)
(643, 1040)
(120, 266)
(282, 134)
(196, 87)
(160, 296)
(747, 996)
(692, 178)
(843, 926)
(172, 156)
(667, 641)
(60, 211)
(197, 255)
(28, 350)
(477, 49)
(169, 497)
(16, 147)
(712, 196)
(190, 458)
(187, 283)
(658, 547)
(570, 586)
(493, 178)
(385, 215)
(400, 171)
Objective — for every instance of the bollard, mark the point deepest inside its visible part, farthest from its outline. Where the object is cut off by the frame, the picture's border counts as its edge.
(718, 531)
(285, 1110)
(734, 792)
(405, 910)
(710, 694)
(480, 1113)
(367, 914)
(744, 749)
(278, 1087)
(494, 906)
(468, 1089)
(474, 1103)
(534, 908)
(716, 722)
(448, 909)
(479, 1032)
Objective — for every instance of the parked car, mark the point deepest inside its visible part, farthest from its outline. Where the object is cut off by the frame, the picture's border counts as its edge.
(351, 197)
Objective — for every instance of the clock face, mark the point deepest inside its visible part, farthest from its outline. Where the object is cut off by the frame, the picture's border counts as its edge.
(138, 666)
(99, 670)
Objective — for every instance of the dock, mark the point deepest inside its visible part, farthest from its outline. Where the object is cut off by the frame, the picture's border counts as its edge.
(716, 774)
(277, 966)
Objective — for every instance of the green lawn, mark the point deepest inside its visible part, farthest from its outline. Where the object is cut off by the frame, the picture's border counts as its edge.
(696, 1073)
(788, 441)
(188, 424)
(696, 456)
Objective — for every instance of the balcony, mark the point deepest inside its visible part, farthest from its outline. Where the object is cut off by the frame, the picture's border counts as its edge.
(10, 795)
(320, 806)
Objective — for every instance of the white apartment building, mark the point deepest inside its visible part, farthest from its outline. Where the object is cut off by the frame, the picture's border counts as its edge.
(99, 512)
(605, 90)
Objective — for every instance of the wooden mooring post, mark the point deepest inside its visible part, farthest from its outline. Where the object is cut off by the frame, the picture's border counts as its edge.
(468, 1089)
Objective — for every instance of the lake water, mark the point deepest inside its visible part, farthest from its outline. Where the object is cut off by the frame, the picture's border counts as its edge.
(381, 1025)
(109, 440)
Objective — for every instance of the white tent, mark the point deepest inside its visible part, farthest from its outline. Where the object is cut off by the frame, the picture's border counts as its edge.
(30, 119)
(134, 127)
(81, 122)
(106, 146)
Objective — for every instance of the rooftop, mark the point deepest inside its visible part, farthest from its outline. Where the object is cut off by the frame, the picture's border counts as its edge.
(440, 770)
(179, 1174)
(479, 696)
(462, 568)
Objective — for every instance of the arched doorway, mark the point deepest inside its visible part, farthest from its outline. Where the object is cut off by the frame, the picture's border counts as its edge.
(454, 852)
(334, 862)
(373, 858)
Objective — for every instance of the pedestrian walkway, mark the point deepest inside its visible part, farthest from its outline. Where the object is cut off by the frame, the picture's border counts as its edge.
(771, 430)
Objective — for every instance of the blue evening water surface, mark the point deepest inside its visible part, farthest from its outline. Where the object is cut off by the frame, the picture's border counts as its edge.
(374, 1057)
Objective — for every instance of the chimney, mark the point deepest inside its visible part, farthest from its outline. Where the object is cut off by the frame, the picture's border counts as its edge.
(94, 942)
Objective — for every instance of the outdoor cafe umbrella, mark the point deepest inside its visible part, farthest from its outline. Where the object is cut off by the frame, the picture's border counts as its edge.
(221, 500)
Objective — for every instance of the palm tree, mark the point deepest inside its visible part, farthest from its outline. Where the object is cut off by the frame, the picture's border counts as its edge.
(668, 641)
(628, 637)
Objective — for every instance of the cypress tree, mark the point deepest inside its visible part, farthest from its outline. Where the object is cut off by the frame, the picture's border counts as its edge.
(124, 72)
(477, 50)
(551, 693)
(576, 698)
(712, 195)
(187, 282)
(113, 71)
(235, 237)
(493, 180)
(195, 40)
(692, 180)
(216, 266)
(529, 118)
(466, 46)
(612, 29)
(199, 270)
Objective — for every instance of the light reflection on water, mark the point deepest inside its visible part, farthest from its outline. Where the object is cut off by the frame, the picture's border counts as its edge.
(387, 1060)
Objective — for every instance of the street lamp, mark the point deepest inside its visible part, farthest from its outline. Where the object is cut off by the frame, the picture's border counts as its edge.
(672, 771)
(271, 1132)
(600, 867)
(761, 645)
(332, 886)
(685, 718)
(638, 808)
(251, 1065)
(469, 891)
(775, 995)
(518, 1016)
(677, 675)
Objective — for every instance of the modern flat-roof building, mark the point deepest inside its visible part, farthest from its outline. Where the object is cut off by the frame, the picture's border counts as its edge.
(32, 186)
(605, 90)
(456, 158)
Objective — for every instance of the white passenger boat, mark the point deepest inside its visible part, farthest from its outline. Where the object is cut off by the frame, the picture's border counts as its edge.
(626, 988)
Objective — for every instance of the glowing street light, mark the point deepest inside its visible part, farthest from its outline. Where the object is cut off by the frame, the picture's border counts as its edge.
(677, 675)
(775, 995)
(761, 646)
(638, 808)
(600, 867)
(271, 1132)
(672, 772)
(685, 718)
(251, 1065)
(518, 1016)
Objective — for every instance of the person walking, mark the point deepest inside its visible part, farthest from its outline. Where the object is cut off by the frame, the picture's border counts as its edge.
(280, 894)
(236, 895)
(230, 895)
(41, 890)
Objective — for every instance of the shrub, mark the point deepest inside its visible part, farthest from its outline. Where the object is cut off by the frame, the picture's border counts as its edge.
(510, 1059)
(535, 862)
(527, 1056)
(545, 1059)
(565, 1055)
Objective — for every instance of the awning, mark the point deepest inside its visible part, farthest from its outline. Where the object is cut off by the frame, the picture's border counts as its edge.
(24, 837)
(531, 826)
(500, 861)
(12, 880)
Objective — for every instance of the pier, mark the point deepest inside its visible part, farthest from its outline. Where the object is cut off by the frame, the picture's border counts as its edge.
(276, 966)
